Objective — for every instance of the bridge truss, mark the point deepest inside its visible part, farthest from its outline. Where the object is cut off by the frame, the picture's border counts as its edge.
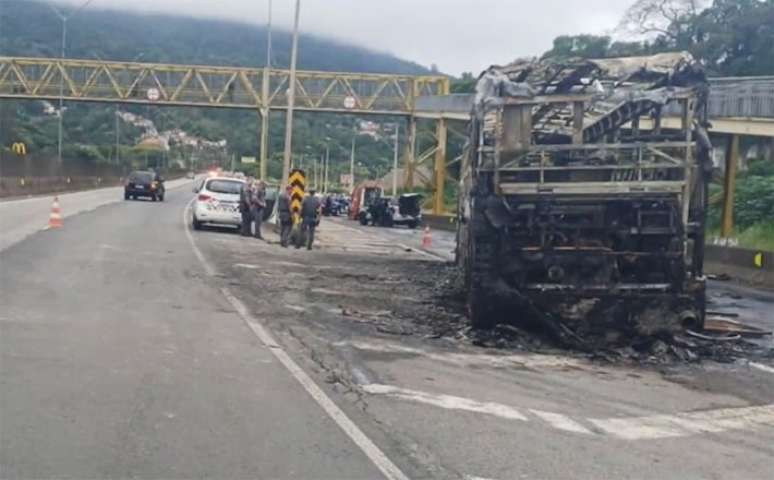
(261, 89)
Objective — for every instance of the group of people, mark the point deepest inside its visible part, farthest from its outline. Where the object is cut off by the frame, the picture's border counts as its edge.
(252, 203)
(309, 218)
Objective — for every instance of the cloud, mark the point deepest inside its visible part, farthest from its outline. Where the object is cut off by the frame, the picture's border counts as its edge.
(455, 35)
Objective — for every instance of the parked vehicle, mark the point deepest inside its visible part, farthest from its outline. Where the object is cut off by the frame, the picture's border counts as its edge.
(217, 202)
(388, 212)
(362, 197)
(144, 184)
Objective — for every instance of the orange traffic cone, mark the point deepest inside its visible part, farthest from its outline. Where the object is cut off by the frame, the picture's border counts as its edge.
(55, 219)
(427, 238)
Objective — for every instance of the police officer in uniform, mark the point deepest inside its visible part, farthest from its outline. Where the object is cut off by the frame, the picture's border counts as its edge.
(285, 215)
(310, 218)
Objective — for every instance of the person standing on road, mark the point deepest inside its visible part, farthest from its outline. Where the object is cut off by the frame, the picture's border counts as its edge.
(285, 215)
(258, 203)
(310, 217)
(245, 208)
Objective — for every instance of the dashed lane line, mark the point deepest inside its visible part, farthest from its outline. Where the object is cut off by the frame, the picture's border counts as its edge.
(761, 367)
(561, 422)
(366, 445)
(625, 428)
(449, 402)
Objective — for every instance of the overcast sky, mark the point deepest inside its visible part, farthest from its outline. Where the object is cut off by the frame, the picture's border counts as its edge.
(456, 35)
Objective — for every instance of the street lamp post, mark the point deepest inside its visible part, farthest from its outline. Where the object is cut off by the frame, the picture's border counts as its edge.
(395, 162)
(291, 101)
(265, 111)
(64, 19)
(118, 123)
(327, 167)
(352, 162)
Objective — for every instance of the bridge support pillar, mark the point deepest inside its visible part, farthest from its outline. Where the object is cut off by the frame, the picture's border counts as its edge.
(729, 183)
(439, 170)
(410, 160)
(264, 136)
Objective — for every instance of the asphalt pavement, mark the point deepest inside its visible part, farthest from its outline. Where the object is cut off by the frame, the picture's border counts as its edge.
(134, 347)
(120, 358)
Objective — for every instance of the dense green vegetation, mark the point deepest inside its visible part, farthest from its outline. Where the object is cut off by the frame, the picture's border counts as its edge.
(730, 37)
(30, 28)
(753, 207)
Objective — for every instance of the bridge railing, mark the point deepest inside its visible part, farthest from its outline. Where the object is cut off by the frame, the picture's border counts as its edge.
(729, 97)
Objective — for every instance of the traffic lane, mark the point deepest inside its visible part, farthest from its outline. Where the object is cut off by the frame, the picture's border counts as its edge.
(121, 359)
(492, 447)
(463, 411)
(693, 409)
(25, 216)
(281, 286)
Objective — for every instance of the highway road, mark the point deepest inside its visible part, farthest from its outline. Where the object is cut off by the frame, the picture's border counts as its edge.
(134, 347)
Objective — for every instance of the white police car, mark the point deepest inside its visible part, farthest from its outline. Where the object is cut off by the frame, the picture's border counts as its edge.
(217, 202)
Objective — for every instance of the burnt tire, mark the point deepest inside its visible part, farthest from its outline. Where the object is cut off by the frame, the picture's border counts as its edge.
(363, 219)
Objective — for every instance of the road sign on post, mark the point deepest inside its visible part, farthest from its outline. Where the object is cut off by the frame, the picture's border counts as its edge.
(153, 94)
(350, 102)
(297, 181)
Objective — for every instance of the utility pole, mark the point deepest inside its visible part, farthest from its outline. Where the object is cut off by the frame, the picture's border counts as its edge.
(395, 162)
(291, 101)
(327, 167)
(314, 171)
(265, 111)
(64, 19)
(352, 162)
(118, 138)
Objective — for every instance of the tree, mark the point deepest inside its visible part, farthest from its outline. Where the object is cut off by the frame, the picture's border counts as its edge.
(672, 19)
(734, 37)
(585, 46)
(465, 84)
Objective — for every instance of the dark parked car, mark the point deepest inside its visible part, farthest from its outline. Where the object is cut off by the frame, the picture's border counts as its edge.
(144, 184)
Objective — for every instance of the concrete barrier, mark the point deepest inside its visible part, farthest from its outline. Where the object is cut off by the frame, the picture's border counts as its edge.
(753, 267)
(439, 222)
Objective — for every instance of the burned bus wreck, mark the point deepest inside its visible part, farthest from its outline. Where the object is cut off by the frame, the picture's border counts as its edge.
(576, 208)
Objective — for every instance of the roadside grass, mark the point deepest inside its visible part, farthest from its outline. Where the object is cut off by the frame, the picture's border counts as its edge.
(757, 237)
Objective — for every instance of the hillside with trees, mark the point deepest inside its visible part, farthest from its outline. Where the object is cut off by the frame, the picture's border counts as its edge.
(31, 28)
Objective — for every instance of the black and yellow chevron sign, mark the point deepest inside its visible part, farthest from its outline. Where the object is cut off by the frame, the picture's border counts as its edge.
(19, 148)
(297, 181)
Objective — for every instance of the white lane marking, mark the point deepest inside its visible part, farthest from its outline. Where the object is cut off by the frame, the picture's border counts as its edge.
(683, 424)
(561, 422)
(625, 428)
(449, 402)
(761, 367)
(467, 359)
(369, 448)
(473, 477)
(207, 267)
